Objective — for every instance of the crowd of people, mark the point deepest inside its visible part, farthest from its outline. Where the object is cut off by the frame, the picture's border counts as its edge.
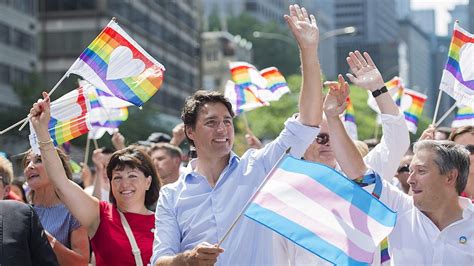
(143, 204)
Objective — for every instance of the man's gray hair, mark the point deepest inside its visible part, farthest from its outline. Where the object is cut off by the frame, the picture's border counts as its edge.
(449, 156)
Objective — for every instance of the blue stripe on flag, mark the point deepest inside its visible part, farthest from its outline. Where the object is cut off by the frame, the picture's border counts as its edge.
(299, 235)
(338, 184)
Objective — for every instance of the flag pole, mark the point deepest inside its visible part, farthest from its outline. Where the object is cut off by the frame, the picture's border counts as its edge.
(445, 115)
(437, 106)
(253, 196)
(86, 155)
(25, 120)
(96, 145)
(246, 122)
(50, 92)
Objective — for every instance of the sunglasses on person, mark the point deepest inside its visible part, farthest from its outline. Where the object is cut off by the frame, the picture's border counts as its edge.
(403, 169)
(322, 138)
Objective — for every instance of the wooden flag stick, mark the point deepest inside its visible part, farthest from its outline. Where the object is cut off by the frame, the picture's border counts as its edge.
(86, 155)
(96, 145)
(445, 115)
(437, 106)
(246, 122)
(25, 120)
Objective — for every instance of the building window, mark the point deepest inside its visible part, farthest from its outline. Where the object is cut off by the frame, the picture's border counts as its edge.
(4, 74)
(22, 40)
(4, 34)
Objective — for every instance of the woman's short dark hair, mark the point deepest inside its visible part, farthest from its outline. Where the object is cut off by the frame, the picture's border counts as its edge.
(137, 158)
(195, 102)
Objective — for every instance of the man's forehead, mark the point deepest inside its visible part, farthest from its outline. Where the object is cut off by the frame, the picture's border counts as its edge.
(210, 110)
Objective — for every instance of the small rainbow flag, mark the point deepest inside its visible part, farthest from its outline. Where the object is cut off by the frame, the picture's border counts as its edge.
(464, 117)
(269, 83)
(349, 119)
(243, 98)
(69, 117)
(245, 75)
(116, 64)
(276, 84)
(412, 105)
(458, 74)
(101, 116)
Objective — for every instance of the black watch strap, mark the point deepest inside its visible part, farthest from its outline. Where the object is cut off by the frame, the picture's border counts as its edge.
(376, 93)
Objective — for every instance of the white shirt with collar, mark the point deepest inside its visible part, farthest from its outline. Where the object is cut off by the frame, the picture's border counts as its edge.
(384, 159)
(416, 240)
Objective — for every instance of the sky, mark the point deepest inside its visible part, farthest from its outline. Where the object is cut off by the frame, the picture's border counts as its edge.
(441, 8)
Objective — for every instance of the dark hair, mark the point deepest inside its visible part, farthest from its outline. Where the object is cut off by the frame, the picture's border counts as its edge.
(195, 102)
(137, 158)
(449, 156)
(460, 131)
(172, 150)
(62, 156)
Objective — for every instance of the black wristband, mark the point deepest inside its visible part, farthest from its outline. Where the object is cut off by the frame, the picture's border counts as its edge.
(376, 93)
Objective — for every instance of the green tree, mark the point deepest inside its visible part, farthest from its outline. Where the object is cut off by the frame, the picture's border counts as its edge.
(267, 52)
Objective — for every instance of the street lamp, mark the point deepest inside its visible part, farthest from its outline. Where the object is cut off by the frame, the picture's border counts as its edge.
(322, 37)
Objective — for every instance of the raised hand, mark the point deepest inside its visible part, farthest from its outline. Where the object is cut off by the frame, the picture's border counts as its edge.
(429, 133)
(303, 27)
(40, 113)
(178, 135)
(366, 75)
(118, 140)
(335, 102)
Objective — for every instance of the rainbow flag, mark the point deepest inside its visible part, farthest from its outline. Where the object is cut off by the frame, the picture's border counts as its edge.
(458, 74)
(322, 211)
(245, 75)
(116, 64)
(69, 117)
(349, 119)
(276, 84)
(464, 117)
(101, 116)
(412, 105)
(268, 84)
(243, 98)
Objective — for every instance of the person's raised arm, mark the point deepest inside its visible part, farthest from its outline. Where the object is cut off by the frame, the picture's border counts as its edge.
(367, 76)
(344, 149)
(84, 207)
(306, 33)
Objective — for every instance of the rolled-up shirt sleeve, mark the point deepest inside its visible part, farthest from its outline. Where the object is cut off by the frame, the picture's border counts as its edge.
(386, 156)
(295, 135)
(167, 235)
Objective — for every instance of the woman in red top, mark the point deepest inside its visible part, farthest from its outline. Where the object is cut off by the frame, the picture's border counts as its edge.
(134, 190)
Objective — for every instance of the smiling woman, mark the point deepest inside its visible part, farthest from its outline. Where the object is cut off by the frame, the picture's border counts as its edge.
(113, 227)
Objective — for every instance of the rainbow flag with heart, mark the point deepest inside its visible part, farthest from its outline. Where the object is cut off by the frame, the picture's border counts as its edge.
(118, 65)
(458, 74)
(464, 117)
(69, 116)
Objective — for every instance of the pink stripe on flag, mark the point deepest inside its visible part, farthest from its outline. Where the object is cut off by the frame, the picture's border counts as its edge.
(331, 201)
(272, 203)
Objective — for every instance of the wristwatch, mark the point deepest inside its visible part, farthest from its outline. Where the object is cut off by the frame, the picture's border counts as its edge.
(376, 93)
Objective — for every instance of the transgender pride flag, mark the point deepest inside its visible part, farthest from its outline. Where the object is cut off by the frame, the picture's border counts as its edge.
(322, 211)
